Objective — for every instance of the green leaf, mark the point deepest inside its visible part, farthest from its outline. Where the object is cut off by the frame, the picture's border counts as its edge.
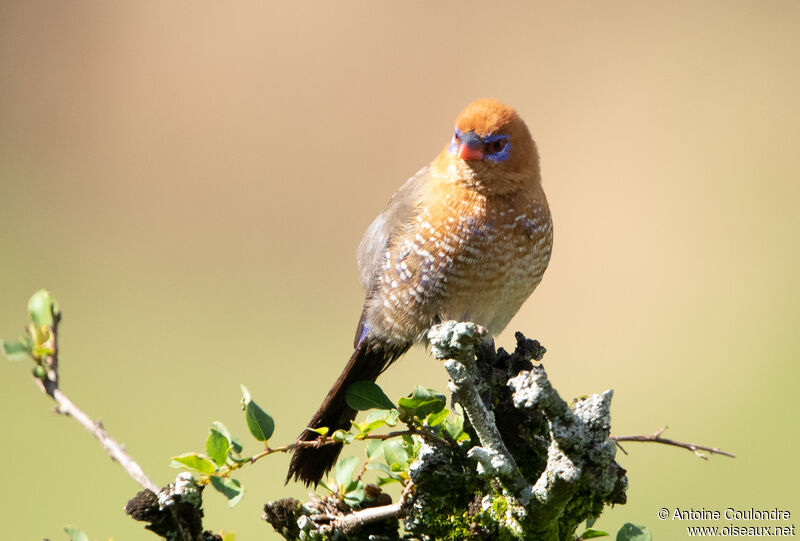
(592, 533)
(633, 532)
(343, 472)
(236, 445)
(75, 534)
(222, 429)
(259, 421)
(376, 415)
(228, 536)
(374, 448)
(322, 431)
(16, 351)
(342, 436)
(366, 395)
(230, 488)
(391, 419)
(195, 462)
(41, 308)
(385, 469)
(366, 428)
(395, 453)
(217, 445)
(421, 403)
(386, 480)
(356, 495)
(435, 419)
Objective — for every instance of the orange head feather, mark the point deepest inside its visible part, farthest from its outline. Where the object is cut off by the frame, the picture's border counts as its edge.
(491, 148)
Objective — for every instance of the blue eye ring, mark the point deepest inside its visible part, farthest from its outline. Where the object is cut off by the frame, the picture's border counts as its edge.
(498, 147)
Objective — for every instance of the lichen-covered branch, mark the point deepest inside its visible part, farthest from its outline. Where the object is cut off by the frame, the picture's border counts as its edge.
(455, 344)
(578, 476)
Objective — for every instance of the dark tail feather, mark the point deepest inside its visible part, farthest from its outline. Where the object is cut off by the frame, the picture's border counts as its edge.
(310, 464)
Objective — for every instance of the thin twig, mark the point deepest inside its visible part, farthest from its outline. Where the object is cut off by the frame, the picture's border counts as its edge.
(324, 440)
(65, 406)
(656, 438)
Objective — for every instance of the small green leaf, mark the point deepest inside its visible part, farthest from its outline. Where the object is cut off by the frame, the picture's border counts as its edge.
(237, 459)
(421, 403)
(230, 488)
(222, 429)
(592, 533)
(217, 446)
(343, 472)
(342, 436)
(39, 372)
(633, 532)
(435, 419)
(366, 428)
(195, 462)
(366, 395)
(236, 445)
(376, 415)
(259, 421)
(386, 480)
(228, 536)
(355, 495)
(374, 448)
(41, 308)
(385, 469)
(16, 351)
(322, 431)
(395, 453)
(391, 419)
(75, 534)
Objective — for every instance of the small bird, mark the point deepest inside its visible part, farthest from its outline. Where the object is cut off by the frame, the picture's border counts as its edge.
(467, 238)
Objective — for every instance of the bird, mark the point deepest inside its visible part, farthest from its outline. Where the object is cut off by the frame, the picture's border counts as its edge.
(467, 238)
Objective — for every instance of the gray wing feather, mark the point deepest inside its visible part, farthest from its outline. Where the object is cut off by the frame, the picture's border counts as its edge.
(400, 211)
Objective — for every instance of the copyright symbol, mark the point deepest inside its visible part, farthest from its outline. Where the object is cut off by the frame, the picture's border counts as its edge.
(663, 513)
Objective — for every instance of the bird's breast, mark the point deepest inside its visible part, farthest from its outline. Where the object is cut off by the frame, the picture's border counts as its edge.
(466, 256)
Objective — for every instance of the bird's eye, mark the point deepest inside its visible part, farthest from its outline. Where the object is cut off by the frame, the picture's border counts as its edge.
(456, 134)
(497, 146)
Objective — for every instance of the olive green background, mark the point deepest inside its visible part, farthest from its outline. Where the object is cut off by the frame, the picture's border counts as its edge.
(191, 180)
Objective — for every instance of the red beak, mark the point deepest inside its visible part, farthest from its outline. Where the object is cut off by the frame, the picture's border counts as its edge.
(470, 147)
(466, 153)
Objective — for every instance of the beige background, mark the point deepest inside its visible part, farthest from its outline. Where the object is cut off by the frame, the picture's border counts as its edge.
(191, 179)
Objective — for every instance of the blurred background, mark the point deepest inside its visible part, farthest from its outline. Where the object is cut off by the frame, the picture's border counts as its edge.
(191, 180)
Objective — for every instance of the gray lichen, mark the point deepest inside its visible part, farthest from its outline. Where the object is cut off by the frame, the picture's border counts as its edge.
(579, 475)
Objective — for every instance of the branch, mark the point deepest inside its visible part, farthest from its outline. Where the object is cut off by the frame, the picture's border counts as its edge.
(656, 438)
(347, 524)
(455, 345)
(65, 406)
(351, 522)
(564, 448)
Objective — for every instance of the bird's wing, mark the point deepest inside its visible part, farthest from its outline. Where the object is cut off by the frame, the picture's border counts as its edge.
(400, 211)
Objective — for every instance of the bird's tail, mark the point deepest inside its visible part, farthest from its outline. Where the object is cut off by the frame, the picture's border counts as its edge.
(310, 464)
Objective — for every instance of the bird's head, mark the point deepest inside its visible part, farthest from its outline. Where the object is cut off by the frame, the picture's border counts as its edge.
(491, 146)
